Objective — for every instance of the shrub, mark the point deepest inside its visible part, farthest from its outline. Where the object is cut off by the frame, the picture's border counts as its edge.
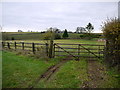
(57, 36)
(5, 36)
(84, 36)
(89, 36)
(111, 31)
(12, 38)
(48, 35)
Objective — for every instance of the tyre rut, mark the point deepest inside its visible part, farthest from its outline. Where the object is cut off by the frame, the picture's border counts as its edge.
(49, 72)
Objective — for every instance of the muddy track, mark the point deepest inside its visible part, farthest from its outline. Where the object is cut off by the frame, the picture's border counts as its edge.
(95, 75)
(50, 71)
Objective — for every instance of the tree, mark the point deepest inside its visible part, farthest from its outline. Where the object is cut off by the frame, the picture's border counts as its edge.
(55, 29)
(65, 34)
(20, 31)
(80, 30)
(51, 33)
(49, 37)
(89, 28)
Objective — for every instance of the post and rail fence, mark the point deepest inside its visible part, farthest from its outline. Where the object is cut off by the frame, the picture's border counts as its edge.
(60, 49)
(32, 47)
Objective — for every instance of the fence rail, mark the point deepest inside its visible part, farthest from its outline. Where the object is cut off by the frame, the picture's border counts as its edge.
(59, 49)
(80, 44)
(80, 50)
(22, 46)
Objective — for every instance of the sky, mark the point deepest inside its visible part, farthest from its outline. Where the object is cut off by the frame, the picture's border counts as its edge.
(38, 16)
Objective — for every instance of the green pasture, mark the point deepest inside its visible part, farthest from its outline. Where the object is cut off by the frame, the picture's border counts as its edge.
(36, 35)
(67, 41)
(22, 36)
(33, 35)
(20, 71)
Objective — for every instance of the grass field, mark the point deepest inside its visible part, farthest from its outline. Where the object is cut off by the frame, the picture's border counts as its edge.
(22, 71)
(35, 35)
(71, 41)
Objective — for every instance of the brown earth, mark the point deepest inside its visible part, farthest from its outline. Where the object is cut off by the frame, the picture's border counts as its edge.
(95, 75)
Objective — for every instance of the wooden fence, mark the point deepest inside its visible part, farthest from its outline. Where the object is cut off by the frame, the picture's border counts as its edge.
(31, 47)
(59, 49)
(80, 50)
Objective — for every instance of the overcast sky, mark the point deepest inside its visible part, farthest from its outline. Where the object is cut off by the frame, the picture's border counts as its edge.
(38, 16)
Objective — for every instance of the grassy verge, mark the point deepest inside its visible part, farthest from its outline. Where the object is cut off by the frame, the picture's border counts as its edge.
(21, 71)
(112, 79)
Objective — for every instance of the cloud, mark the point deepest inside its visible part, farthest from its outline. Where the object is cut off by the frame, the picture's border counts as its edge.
(69, 15)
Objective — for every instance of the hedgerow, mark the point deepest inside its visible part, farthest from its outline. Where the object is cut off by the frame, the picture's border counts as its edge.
(111, 31)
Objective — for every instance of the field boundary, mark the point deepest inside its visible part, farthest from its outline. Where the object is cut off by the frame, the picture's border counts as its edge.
(59, 49)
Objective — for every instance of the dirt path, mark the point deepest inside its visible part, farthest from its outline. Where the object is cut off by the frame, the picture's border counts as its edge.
(95, 75)
(50, 72)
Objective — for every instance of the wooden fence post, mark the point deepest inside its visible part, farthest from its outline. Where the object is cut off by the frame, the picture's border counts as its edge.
(99, 51)
(15, 45)
(3, 44)
(33, 48)
(104, 52)
(51, 49)
(78, 51)
(22, 45)
(8, 44)
(47, 49)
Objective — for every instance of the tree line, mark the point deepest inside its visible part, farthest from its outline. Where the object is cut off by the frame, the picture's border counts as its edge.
(86, 32)
(88, 29)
